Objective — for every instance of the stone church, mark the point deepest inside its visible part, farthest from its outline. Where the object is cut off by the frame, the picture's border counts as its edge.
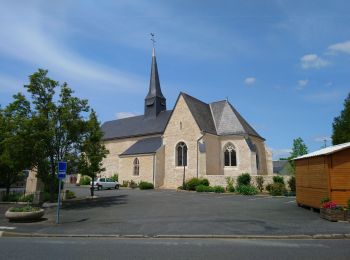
(195, 139)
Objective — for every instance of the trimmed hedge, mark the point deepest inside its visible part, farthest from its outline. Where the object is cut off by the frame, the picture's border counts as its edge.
(204, 188)
(143, 185)
(191, 184)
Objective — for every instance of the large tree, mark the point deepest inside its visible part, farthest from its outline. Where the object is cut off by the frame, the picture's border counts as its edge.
(341, 125)
(92, 150)
(15, 142)
(58, 124)
(299, 148)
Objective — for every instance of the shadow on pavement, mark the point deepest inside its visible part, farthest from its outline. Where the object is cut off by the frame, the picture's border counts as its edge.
(97, 202)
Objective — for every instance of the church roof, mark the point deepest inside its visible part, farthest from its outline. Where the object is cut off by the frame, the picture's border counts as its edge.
(144, 146)
(228, 121)
(154, 84)
(135, 126)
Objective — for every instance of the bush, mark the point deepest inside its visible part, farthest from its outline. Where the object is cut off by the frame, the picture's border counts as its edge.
(278, 179)
(204, 188)
(324, 200)
(268, 187)
(191, 184)
(12, 197)
(278, 189)
(85, 180)
(115, 177)
(26, 198)
(219, 189)
(143, 185)
(125, 184)
(246, 190)
(230, 188)
(70, 195)
(204, 182)
(260, 183)
(24, 209)
(230, 182)
(243, 179)
(291, 184)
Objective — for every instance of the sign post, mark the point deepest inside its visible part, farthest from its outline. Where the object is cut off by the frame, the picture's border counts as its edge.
(62, 169)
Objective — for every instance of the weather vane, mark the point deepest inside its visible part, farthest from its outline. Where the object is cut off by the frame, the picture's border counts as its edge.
(152, 39)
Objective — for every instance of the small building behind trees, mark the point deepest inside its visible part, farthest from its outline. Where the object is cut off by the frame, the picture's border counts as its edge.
(323, 174)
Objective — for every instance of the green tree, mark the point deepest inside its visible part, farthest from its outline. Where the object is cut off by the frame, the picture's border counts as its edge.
(58, 125)
(341, 125)
(299, 148)
(93, 150)
(15, 142)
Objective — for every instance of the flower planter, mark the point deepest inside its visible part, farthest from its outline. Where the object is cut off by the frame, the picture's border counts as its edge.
(24, 216)
(333, 214)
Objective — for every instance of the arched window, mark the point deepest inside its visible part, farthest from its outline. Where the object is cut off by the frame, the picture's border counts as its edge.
(230, 157)
(136, 167)
(181, 154)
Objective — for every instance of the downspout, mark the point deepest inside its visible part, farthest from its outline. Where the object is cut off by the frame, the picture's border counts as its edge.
(154, 169)
(198, 152)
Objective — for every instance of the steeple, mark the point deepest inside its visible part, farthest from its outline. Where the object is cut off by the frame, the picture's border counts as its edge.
(155, 102)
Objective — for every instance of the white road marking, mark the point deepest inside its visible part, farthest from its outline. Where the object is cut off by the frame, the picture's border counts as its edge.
(290, 201)
(268, 197)
(3, 227)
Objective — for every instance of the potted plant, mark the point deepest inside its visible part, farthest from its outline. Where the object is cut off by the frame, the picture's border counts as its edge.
(332, 212)
(27, 213)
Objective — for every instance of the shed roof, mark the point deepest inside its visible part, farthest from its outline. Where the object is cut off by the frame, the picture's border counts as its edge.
(325, 151)
(144, 146)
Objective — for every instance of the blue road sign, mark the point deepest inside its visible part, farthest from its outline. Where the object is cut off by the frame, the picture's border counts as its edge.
(61, 175)
(62, 166)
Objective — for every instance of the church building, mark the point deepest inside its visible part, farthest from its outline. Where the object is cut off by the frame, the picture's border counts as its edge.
(194, 139)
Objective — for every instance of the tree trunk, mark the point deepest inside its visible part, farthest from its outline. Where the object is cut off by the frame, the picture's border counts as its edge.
(92, 187)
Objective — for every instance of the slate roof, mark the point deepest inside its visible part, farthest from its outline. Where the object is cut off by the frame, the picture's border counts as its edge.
(228, 121)
(279, 165)
(135, 126)
(326, 151)
(144, 146)
(201, 113)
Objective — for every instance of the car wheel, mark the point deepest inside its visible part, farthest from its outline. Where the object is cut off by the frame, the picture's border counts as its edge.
(99, 187)
(116, 187)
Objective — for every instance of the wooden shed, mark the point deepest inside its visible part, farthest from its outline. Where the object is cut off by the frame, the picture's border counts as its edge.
(323, 174)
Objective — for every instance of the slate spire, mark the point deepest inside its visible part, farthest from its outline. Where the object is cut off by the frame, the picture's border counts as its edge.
(155, 102)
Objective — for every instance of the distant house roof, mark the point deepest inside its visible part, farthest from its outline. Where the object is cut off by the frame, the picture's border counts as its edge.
(325, 151)
(144, 146)
(278, 166)
(135, 126)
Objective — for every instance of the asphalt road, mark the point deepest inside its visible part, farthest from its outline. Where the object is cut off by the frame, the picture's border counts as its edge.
(168, 212)
(75, 248)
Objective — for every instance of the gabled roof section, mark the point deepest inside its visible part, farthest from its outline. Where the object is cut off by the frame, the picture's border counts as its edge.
(201, 113)
(229, 122)
(144, 146)
(135, 126)
(326, 151)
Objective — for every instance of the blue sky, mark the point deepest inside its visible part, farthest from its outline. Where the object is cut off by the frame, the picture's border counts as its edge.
(283, 64)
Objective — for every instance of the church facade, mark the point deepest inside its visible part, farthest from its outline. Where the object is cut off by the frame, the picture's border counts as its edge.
(195, 139)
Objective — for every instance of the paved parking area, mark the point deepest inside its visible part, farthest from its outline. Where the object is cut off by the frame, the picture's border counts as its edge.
(168, 212)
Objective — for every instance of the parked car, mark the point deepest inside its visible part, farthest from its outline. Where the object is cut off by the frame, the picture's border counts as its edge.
(105, 183)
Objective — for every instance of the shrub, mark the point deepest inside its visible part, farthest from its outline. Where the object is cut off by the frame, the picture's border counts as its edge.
(204, 182)
(47, 196)
(125, 184)
(230, 182)
(291, 184)
(230, 188)
(277, 189)
(180, 188)
(85, 180)
(26, 198)
(12, 197)
(70, 195)
(204, 188)
(219, 189)
(246, 190)
(115, 177)
(324, 200)
(24, 209)
(278, 179)
(260, 183)
(143, 185)
(191, 184)
(132, 184)
(243, 179)
(268, 187)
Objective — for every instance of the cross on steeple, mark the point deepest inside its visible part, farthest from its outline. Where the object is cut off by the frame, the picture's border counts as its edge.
(152, 39)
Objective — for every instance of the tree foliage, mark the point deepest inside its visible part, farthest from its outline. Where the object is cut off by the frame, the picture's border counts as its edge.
(341, 125)
(299, 148)
(92, 150)
(15, 141)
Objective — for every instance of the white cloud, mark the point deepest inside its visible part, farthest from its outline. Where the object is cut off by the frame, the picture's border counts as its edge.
(313, 61)
(121, 115)
(343, 47)
(250, 81)
(302, 83)
(280, 153)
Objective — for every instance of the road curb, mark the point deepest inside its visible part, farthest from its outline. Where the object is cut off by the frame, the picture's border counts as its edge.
(204, 236)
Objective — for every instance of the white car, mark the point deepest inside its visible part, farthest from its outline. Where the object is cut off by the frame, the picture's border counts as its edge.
(105, 183)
